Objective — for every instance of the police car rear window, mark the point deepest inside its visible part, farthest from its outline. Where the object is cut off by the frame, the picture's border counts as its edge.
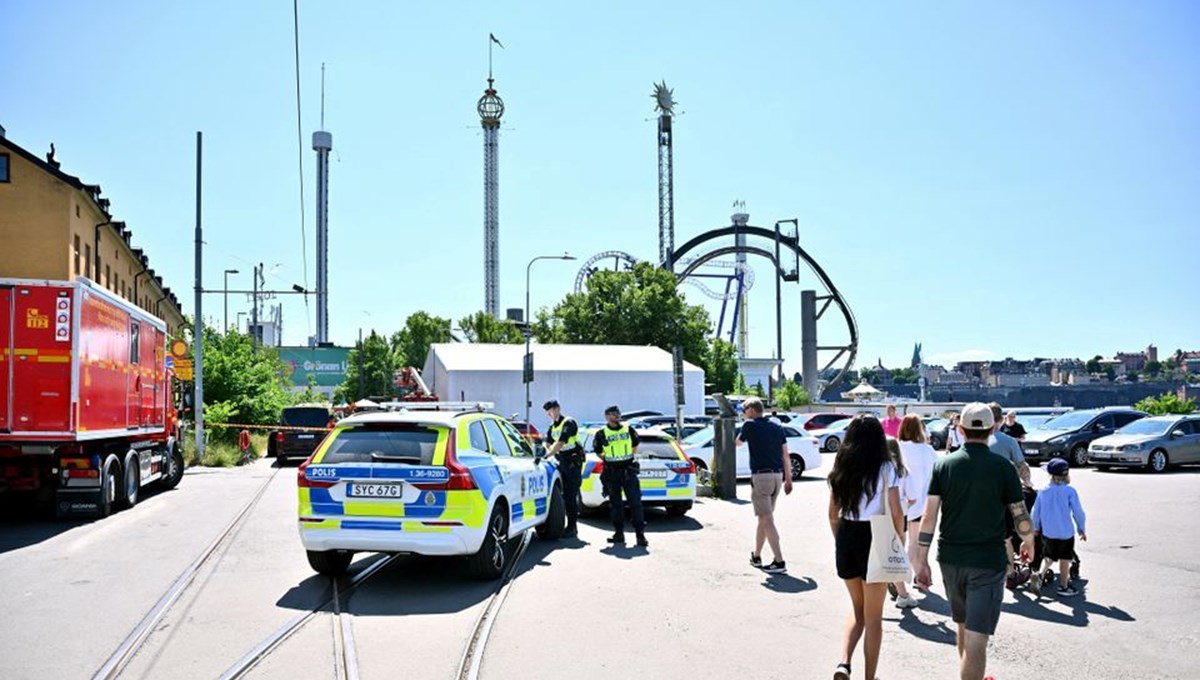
(413, 445)
(657, 448)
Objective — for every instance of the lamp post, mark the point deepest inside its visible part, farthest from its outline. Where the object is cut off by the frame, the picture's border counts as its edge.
(227, 273)
(527, 366)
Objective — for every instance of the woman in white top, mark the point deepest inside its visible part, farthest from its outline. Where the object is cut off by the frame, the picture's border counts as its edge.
(919, 458)
(954, 439)
(862, 479)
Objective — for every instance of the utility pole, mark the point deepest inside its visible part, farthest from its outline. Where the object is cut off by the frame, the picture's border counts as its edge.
(254, 328)
(198, 323)
(362, 379)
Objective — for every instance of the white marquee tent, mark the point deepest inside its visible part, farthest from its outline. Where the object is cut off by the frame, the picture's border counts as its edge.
(583, 378)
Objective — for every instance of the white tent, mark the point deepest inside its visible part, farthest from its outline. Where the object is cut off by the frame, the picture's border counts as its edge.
(583, 378)
(864, 392)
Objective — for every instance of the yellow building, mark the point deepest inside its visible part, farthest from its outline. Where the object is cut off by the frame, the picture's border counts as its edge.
(53, 226)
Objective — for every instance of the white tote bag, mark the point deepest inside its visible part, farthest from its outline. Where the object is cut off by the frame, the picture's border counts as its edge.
(887, 562)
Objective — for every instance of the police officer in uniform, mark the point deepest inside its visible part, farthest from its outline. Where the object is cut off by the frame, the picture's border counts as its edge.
(616, 443)
(562, 440)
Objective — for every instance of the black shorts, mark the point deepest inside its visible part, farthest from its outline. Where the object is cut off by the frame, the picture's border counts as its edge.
(1058, 548)
(852, 545)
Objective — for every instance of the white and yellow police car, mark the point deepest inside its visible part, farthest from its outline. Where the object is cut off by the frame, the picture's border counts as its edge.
(457, 482)
(666, 476)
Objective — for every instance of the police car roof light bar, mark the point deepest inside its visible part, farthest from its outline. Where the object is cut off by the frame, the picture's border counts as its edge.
(479, 406)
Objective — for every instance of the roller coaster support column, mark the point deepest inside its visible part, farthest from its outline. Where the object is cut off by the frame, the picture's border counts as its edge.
(808, 341)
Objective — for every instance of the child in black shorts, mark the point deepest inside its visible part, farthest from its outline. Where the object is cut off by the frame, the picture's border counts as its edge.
(1057, 516)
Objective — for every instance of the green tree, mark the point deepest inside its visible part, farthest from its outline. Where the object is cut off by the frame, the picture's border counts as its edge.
(867, 374)
(720, 366)
(905, 376)
(310, 394)
(1152, 369)
(790, 395)
(1093, 365)
(1167, 403)
(637, 307)
(1110, 373)
(485, 328)
(410, 345)
(378, 366)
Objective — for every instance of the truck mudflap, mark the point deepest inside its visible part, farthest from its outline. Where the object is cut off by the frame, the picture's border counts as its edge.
(77, 503)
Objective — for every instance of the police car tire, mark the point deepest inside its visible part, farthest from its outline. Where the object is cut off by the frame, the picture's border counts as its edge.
(330, 562)
(556, 520)
(482, 563)
(679, 509)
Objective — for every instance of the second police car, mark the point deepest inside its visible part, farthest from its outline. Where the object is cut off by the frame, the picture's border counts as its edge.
(426, 483)
(666, 477)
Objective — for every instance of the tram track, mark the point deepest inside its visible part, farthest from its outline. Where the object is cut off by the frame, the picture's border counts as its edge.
(472, 656)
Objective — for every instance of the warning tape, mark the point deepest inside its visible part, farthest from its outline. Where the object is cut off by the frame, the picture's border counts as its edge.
(281, 428)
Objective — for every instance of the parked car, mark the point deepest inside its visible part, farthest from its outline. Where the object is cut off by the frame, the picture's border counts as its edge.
(529, 431)
(938, 430)
(688, 430)
(666, 477)
(1153, 443)
(299, 443)
(820, 421)
(1068, 436)
(830, 438)
(660, 421)
(802, 449)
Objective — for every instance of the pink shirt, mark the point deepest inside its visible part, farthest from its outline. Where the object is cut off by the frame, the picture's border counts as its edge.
(891, 426)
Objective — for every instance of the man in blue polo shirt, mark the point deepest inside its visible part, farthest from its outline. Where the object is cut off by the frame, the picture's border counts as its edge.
(770, 470)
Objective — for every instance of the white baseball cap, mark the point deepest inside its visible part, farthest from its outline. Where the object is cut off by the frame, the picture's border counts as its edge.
(977, 416)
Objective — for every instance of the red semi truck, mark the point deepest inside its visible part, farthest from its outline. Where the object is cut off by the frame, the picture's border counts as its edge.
(87, 415)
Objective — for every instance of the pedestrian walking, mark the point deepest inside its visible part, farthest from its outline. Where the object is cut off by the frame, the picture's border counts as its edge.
(562, 442)
(1008, 447)
(616, 443)
(898, 590)
(891, 424)
(861, 481)
(770, 471)
(1011, 427)
(1058, 515)
(973, 489)
(918, 457)
(954, 438)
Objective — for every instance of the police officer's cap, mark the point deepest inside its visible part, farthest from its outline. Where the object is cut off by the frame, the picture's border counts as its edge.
(613, 409)
(553, 403)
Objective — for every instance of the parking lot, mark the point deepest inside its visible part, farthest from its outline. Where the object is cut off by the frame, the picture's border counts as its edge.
(690, 605)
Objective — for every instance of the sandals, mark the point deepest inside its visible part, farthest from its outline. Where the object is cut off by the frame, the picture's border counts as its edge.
(842, 672)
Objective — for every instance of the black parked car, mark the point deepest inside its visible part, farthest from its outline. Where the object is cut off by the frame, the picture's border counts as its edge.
(1067, 436)
(301, 443)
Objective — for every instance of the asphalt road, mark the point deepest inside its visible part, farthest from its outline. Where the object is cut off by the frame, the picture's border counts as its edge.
(689, 606)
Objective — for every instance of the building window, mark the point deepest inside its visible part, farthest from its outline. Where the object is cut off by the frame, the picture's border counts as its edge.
(87, 260)
(77, 210)
(3, 167)
(77, 255)
(107, 277)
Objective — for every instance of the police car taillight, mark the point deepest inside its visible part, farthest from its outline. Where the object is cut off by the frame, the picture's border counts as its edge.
(599, 469)
(691, 464)
(302, 480)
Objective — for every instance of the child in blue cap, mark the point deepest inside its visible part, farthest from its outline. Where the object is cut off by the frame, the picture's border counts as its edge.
(1057, 516)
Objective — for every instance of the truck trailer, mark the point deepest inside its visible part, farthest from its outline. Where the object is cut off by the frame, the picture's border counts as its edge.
(87, 412)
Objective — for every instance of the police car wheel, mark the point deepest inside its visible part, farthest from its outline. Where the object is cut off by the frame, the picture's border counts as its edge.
(492, 557)
(556, 520)
(679, 509)
(330, 562)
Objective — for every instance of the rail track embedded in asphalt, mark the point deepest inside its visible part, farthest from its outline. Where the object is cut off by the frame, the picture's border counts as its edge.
(472, 658)
(137, 638)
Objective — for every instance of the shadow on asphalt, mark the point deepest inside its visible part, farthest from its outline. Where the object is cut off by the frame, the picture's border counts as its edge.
(783, 583)
(1080, 609)
(943, 631)
(657, 522)
(24, 522)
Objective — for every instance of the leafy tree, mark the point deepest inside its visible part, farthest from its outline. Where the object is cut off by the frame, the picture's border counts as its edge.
(758, 390)
(410, 345)
(1093, 364)
(905, 376)
(378, 365)
(1152, 369)
(641, 306)
(1131, 376)
(867, 374)
(310, 394)
(790, 395)
(1110, 373)
(739, 385)
(1167, 403)
(720, 366)
(483, 327)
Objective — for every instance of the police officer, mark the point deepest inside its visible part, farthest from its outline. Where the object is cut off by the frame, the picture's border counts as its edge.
(616, 443)
(562, 440)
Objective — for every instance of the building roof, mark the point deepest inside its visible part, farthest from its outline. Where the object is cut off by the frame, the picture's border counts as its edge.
(488, 357)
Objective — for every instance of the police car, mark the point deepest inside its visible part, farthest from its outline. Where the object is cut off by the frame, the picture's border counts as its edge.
(454, 482)
(666, 476)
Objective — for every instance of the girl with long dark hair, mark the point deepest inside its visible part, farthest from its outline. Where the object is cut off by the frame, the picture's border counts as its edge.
(862, 480)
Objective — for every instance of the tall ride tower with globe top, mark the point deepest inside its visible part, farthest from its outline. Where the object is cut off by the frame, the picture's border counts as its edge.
(664, 102)
(491, 108)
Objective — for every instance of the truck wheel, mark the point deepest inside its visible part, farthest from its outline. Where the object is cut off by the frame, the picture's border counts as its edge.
(491, 559)
(108, 487)
(556, 519)
(131, 481)
(174, 472)
(330, 562)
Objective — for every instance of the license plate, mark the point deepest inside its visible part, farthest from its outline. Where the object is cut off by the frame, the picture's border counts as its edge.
(1033, 452)
(375, 490)
(652, 474)
(1100, 456)
(306, 436)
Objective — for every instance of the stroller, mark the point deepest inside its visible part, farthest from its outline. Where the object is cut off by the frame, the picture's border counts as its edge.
(1021, 573)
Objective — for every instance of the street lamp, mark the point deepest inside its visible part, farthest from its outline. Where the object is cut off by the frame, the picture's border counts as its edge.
(227, 273)
(526, 373)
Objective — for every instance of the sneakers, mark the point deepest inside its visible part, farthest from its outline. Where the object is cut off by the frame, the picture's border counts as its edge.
(776, 567)
(842, 672)
(617, 538)
(1035, 583)
(1067, 591)
(755, 561)
(892, 591)
(906, 602)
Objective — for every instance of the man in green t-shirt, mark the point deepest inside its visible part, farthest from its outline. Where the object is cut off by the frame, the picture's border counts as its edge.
(972, 487)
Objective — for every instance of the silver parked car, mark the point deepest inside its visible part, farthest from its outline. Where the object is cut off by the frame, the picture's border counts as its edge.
(1153, 443)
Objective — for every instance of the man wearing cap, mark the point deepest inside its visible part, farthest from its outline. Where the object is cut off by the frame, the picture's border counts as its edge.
(616, 443)
(562, 440)
(973, 488)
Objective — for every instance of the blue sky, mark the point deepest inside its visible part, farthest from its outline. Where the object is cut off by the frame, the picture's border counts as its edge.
(1001, 180)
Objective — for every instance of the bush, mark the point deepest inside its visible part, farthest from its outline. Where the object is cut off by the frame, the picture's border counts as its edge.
(790, 395)
(1168, 403)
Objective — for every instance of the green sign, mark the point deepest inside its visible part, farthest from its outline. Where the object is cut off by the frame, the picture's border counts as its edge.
(326, 364)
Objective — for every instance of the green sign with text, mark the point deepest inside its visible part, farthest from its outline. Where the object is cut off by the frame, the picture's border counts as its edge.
(326, 364)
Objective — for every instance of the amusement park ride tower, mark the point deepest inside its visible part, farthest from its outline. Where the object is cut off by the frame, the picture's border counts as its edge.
(491, 108)
(664, 102)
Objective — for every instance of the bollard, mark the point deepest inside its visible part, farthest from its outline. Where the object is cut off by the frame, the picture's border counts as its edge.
(725, 450)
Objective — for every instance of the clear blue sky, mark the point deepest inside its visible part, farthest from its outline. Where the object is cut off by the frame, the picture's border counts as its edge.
(992, 181)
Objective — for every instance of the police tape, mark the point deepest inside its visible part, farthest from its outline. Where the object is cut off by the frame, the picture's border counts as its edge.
(273, 428)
